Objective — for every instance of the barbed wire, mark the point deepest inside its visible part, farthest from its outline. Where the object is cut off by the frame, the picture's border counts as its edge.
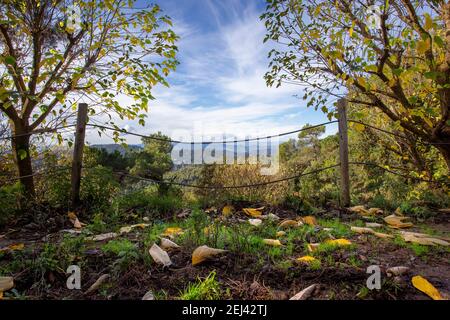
(211, 142)
(252, 185)
(40, 131)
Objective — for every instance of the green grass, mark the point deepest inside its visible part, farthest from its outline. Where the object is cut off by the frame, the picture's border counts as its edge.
(340, 230)
(206, 289)
(119, 246)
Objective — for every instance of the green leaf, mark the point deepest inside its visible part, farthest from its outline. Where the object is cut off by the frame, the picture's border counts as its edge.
(10, 60)
(22, 154)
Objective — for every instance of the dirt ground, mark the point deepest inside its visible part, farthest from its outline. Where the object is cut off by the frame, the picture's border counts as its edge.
(236, 272)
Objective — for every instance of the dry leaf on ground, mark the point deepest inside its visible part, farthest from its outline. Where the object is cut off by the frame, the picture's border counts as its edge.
(149, 296)
(272, 242)
(426, 287)
(312, 246)
(306, 259)
(423, 239)
(159, 255)
(253, 212)
(310, 220)
(397, 222)
(305, 293)
(203, 253)
(172, 232)
(13, 247)
(280, 234)
(255, 222)
(97, 283)
(168, 244)
(288, 224)
(6, 283)
(397, 271)
(128, 229)
(227, 210)
(339, 242)
(103, 236)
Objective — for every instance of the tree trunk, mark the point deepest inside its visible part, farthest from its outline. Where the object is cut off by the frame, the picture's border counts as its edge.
(445, 151)
(21, 151)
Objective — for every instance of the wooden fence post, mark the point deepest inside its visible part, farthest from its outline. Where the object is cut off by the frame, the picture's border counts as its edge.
(343, 152)
(78, 153)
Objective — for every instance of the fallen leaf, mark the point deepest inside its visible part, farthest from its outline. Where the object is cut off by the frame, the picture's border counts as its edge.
(288, 224)
(306, 259)
(13, 247)
(383, 235)
(168, 244)
(312, 246)
(305, 293)
(128, 229)
(252, 212)
(270, 216)
(97, 283)
(397, 271)
(373, 225)
(211, 210)
(149, 296)
(203, 253)
(397, 222)
(74, 219)
(272, 242)
(423, 240)
(172, 231)
(227, 210)
(103, 236)
(374, 211)
(362, 230)
(359, 210)
(280, 234)
(255, 222)
(339, 242)
(6, 283)
(159, 255)
(426, 287)
(310, 220)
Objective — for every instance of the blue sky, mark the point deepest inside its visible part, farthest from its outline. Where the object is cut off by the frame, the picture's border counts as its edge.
(219, 86)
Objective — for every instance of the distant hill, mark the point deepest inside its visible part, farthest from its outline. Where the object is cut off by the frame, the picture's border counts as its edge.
(112, 147)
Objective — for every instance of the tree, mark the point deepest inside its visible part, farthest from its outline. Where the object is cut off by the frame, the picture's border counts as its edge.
(394, 53)
(155, 160)
(53, 52)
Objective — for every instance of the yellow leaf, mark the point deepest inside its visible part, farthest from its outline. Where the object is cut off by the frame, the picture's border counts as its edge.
(252, 212)
(428, 22)
(359, 210)
(310, 220)
(288, 224)
(306, 259)
(339, 242)
(312, 246)
(426, 287)
(172, 231)
(272, 242)
(203, 253)
(280, 234)
(397, 222)
(12, 247)
(227, 210)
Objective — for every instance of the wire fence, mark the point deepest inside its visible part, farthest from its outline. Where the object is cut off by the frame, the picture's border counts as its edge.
(182, 184)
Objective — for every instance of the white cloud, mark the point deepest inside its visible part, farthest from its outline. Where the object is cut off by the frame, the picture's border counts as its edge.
(220, 82)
